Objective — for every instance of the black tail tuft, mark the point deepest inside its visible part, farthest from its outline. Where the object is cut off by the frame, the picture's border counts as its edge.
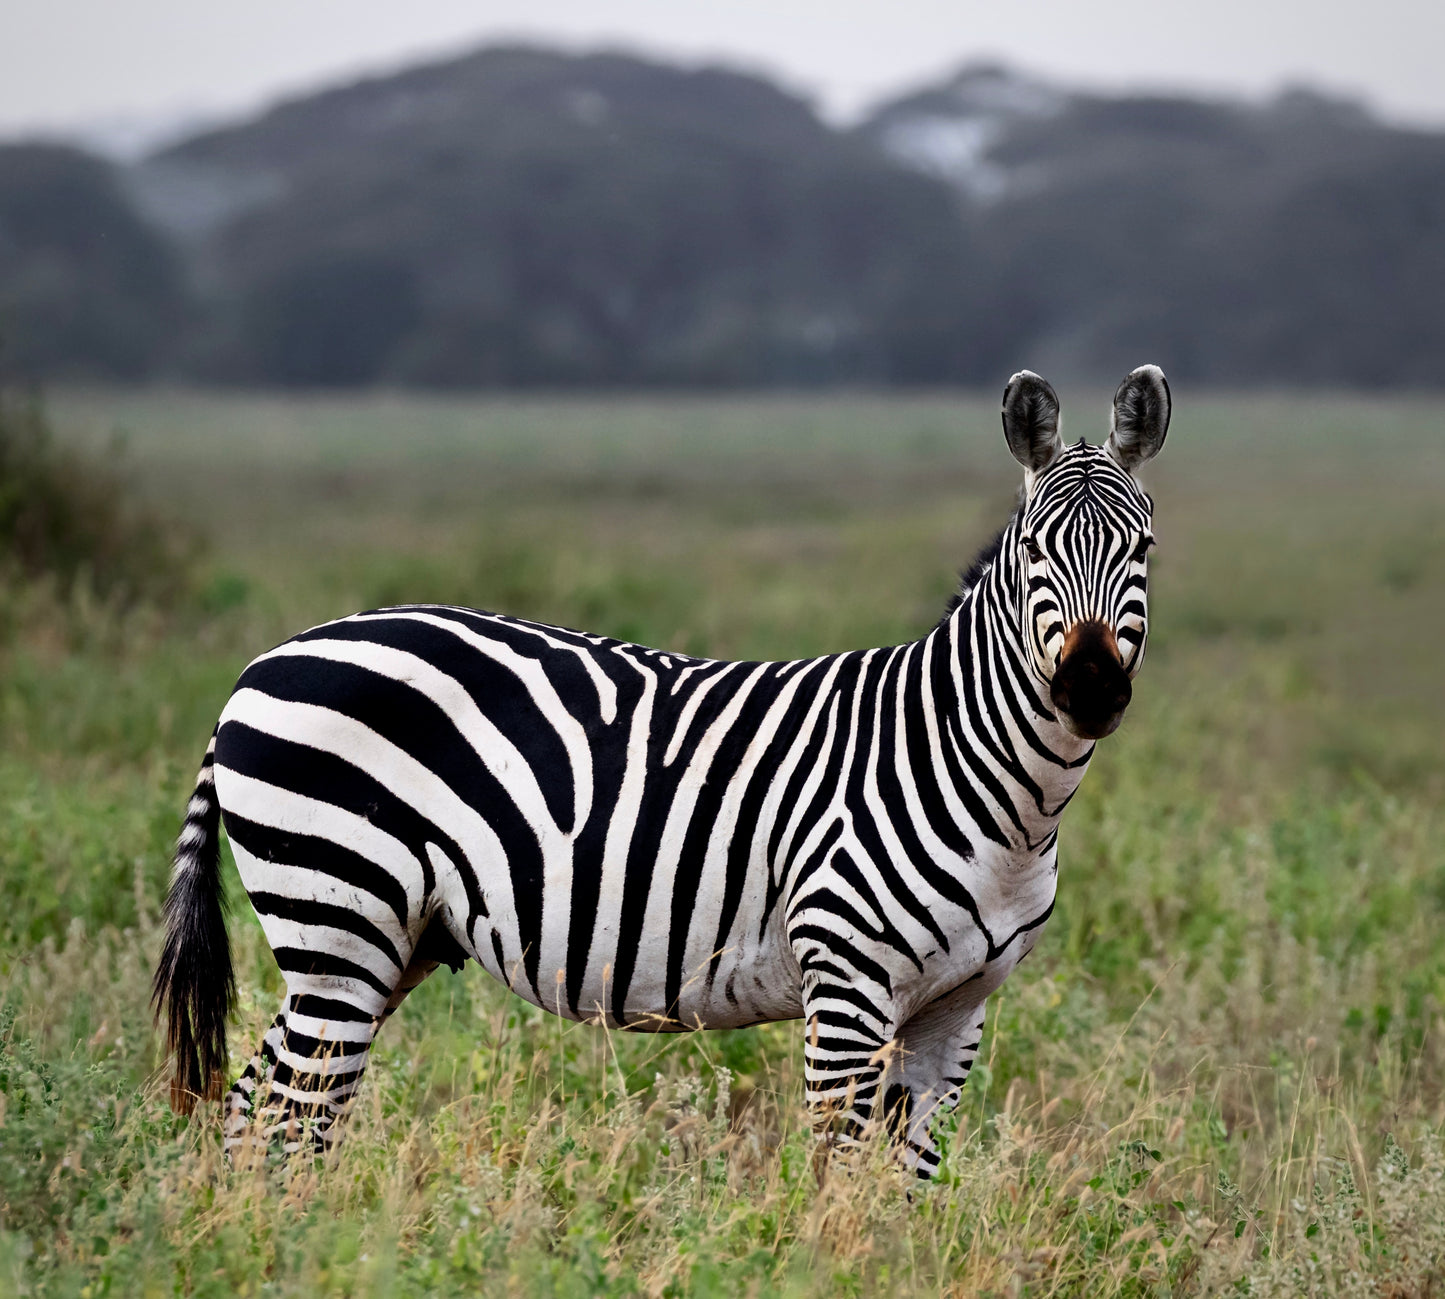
(194, 983)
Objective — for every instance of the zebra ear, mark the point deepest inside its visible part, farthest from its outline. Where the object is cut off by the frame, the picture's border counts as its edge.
(1141, 417)
(1031, 421)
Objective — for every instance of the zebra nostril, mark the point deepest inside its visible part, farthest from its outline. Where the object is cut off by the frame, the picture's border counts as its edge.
(1091, 688)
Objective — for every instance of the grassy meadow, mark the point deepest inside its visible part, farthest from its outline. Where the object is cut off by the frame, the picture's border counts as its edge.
(1223, 1071)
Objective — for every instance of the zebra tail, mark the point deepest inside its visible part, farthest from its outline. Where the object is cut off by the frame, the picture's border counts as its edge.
(194, 983)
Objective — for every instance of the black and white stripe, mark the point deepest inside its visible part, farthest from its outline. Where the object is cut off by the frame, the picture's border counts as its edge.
(866, 840)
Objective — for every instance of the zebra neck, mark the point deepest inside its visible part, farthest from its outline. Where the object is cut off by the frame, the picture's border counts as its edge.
(992, 715)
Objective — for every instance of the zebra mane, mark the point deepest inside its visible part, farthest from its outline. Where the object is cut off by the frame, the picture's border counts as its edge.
(973, 574)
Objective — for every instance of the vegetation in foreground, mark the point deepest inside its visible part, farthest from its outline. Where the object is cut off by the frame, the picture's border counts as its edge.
(1221, 1073)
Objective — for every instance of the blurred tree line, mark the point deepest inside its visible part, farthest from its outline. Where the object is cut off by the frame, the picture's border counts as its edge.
(524, 218)
(69, 519)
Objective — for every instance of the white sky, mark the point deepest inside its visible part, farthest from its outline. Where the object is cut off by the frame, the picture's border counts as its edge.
(67, 64)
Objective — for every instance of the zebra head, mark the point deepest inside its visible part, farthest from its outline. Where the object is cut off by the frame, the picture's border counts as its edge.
(1083, 535)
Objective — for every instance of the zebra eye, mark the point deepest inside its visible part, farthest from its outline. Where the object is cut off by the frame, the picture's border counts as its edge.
(1031, 547)
(1141, 553)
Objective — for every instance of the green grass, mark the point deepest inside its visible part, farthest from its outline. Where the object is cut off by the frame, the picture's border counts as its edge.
(1222, 1071)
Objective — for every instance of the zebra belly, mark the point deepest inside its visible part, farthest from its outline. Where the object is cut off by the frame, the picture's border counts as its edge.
(569, 847)
(745, 987)
(741, 994)
(676, 979)
(328, 813)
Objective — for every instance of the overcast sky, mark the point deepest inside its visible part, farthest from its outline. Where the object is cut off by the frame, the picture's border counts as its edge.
(83, 63)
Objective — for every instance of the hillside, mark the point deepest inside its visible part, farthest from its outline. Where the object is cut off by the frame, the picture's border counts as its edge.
(87, 288)
(1295, 242)
(521, 217)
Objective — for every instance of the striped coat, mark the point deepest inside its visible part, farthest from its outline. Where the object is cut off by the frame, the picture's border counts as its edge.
(866, 841)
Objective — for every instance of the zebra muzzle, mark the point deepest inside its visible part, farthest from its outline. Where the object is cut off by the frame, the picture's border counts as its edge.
(1090, 689)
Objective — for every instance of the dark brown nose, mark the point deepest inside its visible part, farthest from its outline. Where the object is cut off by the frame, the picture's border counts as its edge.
(1090, 689)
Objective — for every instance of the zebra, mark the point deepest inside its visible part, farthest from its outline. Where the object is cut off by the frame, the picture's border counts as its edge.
(867, 841)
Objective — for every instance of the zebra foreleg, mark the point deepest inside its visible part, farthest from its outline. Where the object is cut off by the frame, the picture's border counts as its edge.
(846, 1048)
(937, 1048)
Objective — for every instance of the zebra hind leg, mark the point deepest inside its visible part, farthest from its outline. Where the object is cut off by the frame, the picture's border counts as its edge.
(308, 1067)
(346, 956)
(303, 1076)
(240, 1100)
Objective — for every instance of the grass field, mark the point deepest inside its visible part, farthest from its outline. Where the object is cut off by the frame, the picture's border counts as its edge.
(1223, 1071)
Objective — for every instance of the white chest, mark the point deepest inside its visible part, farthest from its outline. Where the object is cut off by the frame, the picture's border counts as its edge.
(1013, 900)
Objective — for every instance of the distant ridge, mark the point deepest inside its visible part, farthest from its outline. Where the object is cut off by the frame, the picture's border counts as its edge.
(1296, 242)
(520, 216)
(523, 217)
